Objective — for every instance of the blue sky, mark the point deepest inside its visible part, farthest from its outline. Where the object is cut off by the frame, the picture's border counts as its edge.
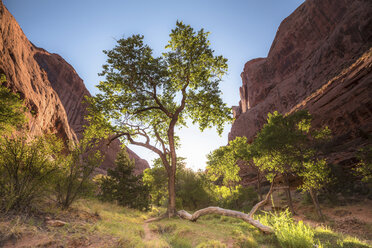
(79, 30)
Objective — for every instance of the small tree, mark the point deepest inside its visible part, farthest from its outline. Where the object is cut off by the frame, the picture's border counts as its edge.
(144, 98)
(286, 146)
(123, 186)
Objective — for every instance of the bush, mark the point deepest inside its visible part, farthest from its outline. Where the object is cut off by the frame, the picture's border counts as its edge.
(74, 176)
(289, 233)
(25, 170)
(123, 186)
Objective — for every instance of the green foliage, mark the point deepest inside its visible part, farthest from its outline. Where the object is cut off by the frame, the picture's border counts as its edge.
(73, 179)
(287, 145)
(26, 167)
(11, 109)
(122, 186)
(223, 171)
(364, 167)
(222, 164)
(156, 179)
(191, 189)
(289, 233)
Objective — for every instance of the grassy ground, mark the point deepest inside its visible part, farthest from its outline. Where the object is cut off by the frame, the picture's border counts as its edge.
(94, 224)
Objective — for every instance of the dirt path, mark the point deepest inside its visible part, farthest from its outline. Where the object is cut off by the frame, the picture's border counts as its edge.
(149, 235)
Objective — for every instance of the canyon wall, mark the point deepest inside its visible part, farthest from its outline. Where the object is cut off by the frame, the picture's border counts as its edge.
(320, 60)
(51, 88)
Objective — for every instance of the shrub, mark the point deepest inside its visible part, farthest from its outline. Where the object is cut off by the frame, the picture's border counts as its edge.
(289, 233)
(25, 170)
(74, 177)
(123, 186)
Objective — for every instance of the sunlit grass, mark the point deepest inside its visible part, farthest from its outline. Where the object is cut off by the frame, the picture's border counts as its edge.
(124, 223)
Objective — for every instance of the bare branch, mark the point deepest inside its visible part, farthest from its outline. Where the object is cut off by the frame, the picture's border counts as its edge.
(263, 202)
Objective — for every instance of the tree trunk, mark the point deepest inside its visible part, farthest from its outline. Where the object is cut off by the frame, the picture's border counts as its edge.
(172, 195)
(289, 197)
(314, 197)
(259, 186)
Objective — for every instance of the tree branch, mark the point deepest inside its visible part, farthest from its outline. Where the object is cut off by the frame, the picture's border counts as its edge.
(161, 106)
(263, 202)
(160, 140)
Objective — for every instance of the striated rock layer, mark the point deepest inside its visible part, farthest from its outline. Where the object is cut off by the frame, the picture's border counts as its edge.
(51, 88)
(320, 60)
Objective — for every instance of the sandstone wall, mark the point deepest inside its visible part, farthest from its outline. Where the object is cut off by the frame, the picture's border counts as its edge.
(50, 86)
(311, 65)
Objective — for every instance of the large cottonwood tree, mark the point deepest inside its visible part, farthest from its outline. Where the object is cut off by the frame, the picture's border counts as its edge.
(144, 98)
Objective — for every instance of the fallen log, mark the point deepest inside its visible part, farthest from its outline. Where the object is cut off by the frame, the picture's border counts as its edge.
(232, 213)
(226, 212)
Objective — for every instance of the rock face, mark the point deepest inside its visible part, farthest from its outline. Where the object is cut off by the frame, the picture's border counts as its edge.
(320, 60)
(51, 88)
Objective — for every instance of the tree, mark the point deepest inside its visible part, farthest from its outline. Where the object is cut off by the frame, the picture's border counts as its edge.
(145, 98)
(123, 186)
(286, 146)
(11, 108)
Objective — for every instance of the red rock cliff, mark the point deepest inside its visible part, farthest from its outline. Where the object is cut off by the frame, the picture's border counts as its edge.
(50, 86)
(320, 60)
